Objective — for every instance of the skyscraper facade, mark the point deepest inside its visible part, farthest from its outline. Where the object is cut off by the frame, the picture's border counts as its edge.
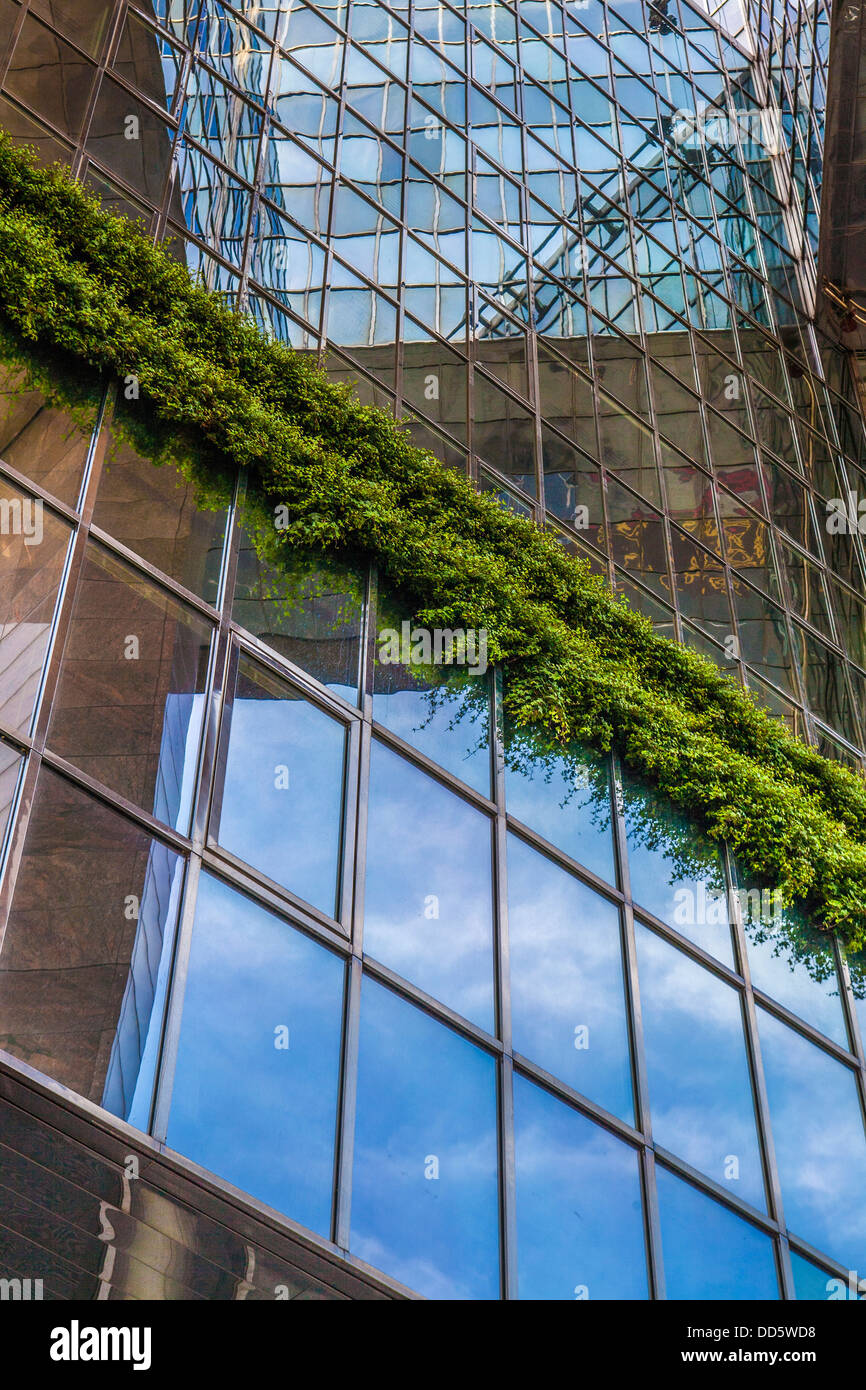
(460, 1022)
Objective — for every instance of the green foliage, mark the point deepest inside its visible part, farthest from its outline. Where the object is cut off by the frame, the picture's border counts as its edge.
(581, 666)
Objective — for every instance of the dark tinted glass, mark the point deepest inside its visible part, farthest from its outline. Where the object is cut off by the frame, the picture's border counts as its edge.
(10, 765)
(49, 77)
(158, 514)
(309, 613)
(44, 442)
(33, 546)
(129, 702)
(86, 947)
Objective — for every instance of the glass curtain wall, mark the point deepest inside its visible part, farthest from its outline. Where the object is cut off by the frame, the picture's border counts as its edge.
(482, 1013)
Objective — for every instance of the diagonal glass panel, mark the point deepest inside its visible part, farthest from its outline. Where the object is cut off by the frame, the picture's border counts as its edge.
(85, 954)
(817, 1126)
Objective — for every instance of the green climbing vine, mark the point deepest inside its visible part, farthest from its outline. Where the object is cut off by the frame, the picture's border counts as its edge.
(580, 666)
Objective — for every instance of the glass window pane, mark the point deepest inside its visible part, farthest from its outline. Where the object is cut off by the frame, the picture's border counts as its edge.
(857, 968)
(699, 1082)
(425, 1194)
(143, 163)
(308, 611)
(49, 77)
(793, 963)
(84, 24)
(580, 1232)
(33, 545)
(676, 873)
(83, 963)
(255, 1090)
(147, 62)
(158, 514)
(814, 1284)
(429, 907)
(709, 1253)
(129, 702)
(820, 1145)
(10, 765)
(564, 796)
(282, 794)
(567, 1001)
(430, 687)
(45, 443)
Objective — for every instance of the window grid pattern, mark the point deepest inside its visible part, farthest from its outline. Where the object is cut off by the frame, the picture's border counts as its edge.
(344, 934)
(496, 219)
(575, 244)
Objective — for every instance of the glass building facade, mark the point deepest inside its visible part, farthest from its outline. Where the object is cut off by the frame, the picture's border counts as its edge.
(494, 1022)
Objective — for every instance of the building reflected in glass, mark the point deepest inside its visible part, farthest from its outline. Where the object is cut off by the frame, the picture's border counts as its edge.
(482, 1017)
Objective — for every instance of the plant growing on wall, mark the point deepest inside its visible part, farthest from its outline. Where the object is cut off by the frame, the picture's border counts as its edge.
(344, 479)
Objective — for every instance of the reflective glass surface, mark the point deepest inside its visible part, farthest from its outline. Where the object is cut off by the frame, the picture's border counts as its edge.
(128, 706)
(565, 798)
(10, 766)
(430, 688)
(33, 546)
(309, 614)
(794, 964)
(709, 1252)
(700, 1089)
(44, 443)
(158, 514)
(281, 798)
(424, 1203)
(570, 257)
(676, 873)
(428, 898)
(815, 1284)
(86, 946)
(567, 1000)
(820, 1144)
(255, 1090)
(579, 1216)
